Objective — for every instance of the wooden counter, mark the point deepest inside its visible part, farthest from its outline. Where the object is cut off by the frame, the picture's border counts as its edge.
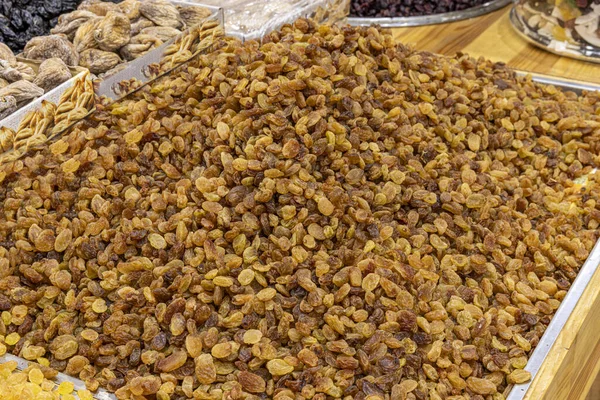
(492, 36)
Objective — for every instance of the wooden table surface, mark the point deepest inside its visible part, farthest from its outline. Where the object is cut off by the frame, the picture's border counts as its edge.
(493, 37)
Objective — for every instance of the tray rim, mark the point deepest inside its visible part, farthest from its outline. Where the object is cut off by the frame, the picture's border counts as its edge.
(557, 323)
(400, 22)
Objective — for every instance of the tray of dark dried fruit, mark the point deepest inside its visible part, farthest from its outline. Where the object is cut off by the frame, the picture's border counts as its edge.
(322, 214)
(401, 13)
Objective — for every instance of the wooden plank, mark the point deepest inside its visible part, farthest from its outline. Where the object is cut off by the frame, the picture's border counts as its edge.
(572, 363)
(448, 38)
(492, 36)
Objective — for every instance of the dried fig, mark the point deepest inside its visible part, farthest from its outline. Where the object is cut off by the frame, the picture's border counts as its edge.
(9, 73)
(132, 51)
(44, 47)
(3, 83)
(112, 32)
(69, 23)
(193, 15)
(25, 70)
(100, 8)
(52, 73)
(84, 37)
(7, 54)
(163, 33)
(98, 61)
(22, 90)
(141, 23)
(162, 13)
(131, 8)
(8, 105)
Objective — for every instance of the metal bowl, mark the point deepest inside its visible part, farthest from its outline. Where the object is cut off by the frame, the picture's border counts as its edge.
(582, 52)
(398, 22)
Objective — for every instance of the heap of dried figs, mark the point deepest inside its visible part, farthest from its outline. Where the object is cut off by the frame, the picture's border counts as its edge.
(101, 35)
(324, 215)
(20, 83)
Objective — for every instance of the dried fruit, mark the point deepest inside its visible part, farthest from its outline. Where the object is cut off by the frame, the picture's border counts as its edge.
(68, 24)
(252, 383)
(192, 15)
(7, 54)
(112, 32)
(98, 61)
(52, 73)
(85, 35)
(8, 104)
(304, 209)
(162, 13)
(52, 46)
(21, 91)
(206, 373)
(162, 33)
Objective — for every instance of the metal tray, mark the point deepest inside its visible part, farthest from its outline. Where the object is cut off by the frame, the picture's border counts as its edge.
(584, 53)
(559, 319)
(398, 22)
(517, 392)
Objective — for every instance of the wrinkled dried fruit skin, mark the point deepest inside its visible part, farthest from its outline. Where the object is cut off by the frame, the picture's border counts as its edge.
(8, 104)
(45, 47)
(162, 13)
(7, 54)
(22, 91)
(163, 33)
(52, 73)
(252, 383)
(112, 32)
(131, 8)
(68, 24)
(100, 8)
(85, 35)
(15, 72)
(139, 24)
(193, 16)
(309, 217)
(98, 61)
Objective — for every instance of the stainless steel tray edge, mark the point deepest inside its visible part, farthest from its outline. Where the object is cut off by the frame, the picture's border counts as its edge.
(558, 321)
(563, 83)
(399, 22)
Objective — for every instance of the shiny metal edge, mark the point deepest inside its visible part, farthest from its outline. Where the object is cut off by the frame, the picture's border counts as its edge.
(399, 22)
(543, 42)
(558, 322)
(100, 394)
(567, 84)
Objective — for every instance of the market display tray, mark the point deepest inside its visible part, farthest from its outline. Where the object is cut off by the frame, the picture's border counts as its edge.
(399, 22)
(538, 358)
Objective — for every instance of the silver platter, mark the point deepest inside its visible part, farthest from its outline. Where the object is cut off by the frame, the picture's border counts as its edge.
(584, 53)
(399, 22)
